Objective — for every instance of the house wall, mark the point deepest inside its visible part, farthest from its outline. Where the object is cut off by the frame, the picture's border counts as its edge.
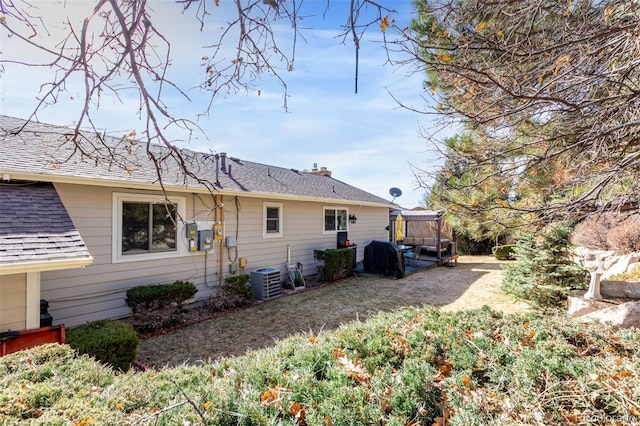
(302, 232)
(13, 302)
(98, 291)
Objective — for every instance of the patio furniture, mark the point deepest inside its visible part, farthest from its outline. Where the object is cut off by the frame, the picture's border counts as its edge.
(385, 258)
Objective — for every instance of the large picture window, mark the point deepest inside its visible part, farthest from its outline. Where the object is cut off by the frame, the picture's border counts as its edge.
(272, 222)
(335, 219)
(146, 227)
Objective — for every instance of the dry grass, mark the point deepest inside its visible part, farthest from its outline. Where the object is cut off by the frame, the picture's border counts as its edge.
(473, 283)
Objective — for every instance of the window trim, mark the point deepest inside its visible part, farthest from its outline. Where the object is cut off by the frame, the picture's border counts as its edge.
(116, 228)
(280, 207)
(334, 208)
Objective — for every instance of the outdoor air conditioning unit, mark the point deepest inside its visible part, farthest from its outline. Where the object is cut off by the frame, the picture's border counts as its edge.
(266, 283)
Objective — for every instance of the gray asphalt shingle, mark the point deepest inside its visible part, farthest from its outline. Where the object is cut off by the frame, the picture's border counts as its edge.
(45, 150)
(35, 226)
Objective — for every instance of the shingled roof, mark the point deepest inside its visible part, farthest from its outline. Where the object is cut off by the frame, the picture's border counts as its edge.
(44, 152)
(35, 228)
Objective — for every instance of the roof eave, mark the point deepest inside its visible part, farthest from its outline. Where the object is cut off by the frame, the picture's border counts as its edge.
(112, 183)
(40, 266)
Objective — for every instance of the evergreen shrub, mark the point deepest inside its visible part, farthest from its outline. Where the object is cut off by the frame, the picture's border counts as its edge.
(337, 263)
(544, 273)
(237, 290)
(159, 295)
(469, 246)
(503, 252)
(160, 305)
(412, 366)
(111, 342)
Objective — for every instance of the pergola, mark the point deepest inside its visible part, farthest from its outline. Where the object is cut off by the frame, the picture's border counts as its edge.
(420, 228)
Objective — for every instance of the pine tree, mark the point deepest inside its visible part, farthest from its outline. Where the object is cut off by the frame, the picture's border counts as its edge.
(544, 272)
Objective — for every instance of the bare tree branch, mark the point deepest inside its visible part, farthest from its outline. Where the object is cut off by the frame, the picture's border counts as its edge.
(549, 94)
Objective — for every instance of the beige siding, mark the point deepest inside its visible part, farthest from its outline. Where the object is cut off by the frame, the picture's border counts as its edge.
(302, 231)
(13, 302)
(98, 291)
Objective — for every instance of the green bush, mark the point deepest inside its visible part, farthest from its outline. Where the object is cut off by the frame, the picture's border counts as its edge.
(504, 252)
(112, 342)
(413, 366)
(544, 273)
(237, 291)
(159, 295)
(338, 263)
(469, 246)
(631, 275)
(160, 305)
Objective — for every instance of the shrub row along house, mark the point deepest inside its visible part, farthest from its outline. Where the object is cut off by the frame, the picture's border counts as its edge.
(78, 231)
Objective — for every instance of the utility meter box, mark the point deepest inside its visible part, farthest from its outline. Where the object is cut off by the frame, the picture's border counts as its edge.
(191, 230)
(230, 241)
(218, 231)
(205, 240)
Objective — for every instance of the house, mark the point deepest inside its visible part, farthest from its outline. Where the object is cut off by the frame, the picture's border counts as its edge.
(78, 229)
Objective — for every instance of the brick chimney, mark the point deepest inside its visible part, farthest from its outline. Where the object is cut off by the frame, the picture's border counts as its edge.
(322, 171)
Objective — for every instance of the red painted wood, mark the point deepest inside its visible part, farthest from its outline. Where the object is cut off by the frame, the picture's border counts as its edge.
(30, 338)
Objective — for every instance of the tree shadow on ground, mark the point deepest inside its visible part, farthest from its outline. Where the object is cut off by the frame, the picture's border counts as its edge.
(326, 307)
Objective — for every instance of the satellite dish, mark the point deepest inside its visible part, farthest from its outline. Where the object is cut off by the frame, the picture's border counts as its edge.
(395, 193)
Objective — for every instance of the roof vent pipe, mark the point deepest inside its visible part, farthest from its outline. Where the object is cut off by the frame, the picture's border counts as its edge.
(229, 169)
(217, 170)
(223, 158)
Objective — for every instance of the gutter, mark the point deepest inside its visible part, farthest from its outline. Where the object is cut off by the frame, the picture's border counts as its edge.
(40, 266)
(174, 188)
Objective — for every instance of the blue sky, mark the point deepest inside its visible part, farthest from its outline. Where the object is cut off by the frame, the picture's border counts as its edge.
(365, 139)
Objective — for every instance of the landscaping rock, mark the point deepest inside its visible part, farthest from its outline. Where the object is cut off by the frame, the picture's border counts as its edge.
(579, 306)
(625, 315)
(602, 265)
(620, 289)
(619, 264)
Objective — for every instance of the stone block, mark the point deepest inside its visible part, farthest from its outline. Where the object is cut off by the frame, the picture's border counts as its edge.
(624, 315)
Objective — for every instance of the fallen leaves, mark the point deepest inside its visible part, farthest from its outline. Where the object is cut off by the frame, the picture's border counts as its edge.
(467, 381)
(298, 412)
(354, 369)
(444, 366)
(273, 396)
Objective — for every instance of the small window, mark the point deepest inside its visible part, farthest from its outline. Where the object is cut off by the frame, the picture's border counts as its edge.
(272, 213)
(335, 219)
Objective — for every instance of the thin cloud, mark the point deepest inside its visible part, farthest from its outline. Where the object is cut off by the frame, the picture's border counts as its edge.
(364, 139)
